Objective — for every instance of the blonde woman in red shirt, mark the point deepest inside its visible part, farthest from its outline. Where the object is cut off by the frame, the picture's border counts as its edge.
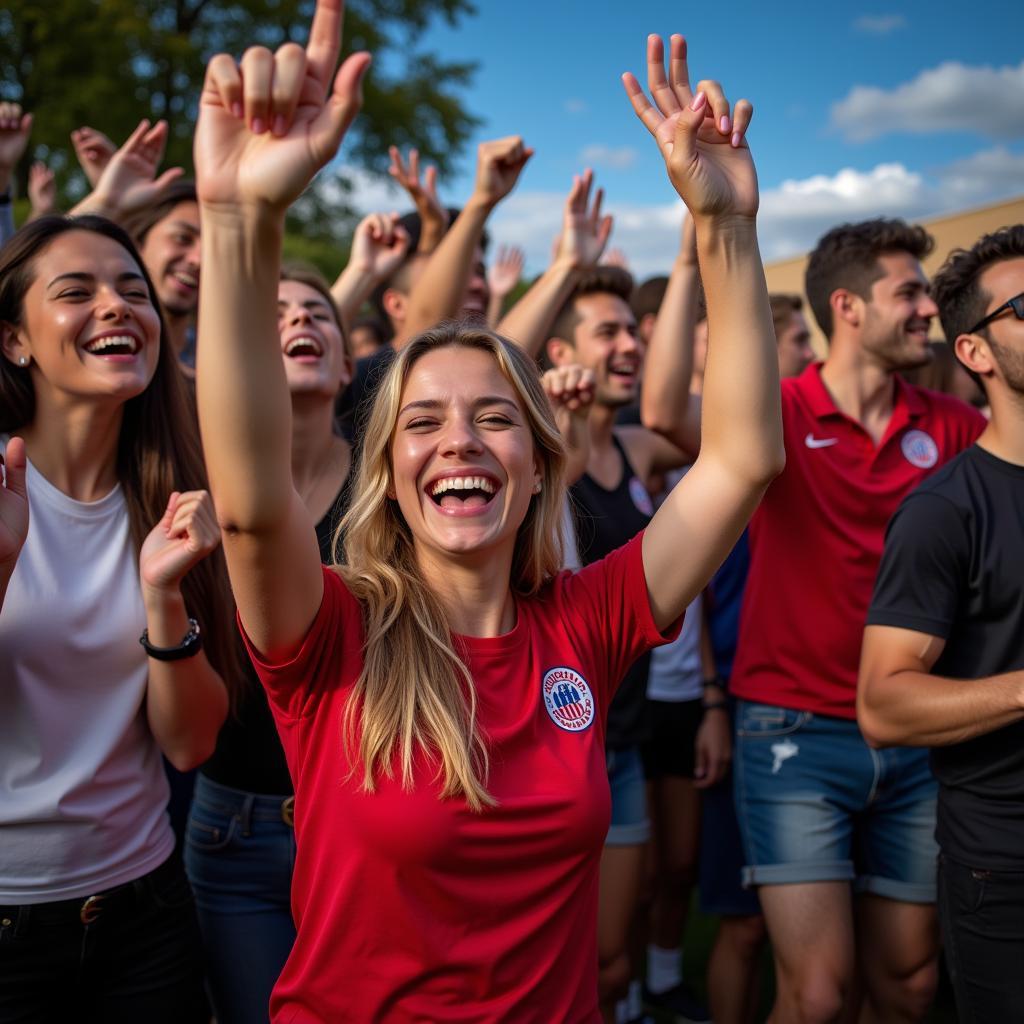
(441, 695)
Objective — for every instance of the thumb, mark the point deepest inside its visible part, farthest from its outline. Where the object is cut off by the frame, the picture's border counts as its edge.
(342, 105)
(688, 122)
(14, 467)
(168, 516)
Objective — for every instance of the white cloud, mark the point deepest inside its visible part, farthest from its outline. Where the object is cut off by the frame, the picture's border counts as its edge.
(793, 215)
(575, 106)
(880, 24)
(620, 159)
(952, 97)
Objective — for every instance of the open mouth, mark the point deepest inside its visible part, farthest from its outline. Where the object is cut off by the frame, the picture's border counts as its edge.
(114, 345)
(623, 371)
(186, 280)
(462, 492)
(304, 347)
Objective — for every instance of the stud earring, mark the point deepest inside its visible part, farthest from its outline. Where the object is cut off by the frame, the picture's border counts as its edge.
(23, 361)
(536, 487)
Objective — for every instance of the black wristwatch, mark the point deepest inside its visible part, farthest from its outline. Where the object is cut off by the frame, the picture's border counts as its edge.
(190, 645)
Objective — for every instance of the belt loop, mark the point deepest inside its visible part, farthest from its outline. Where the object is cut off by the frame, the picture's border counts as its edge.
(245, 814)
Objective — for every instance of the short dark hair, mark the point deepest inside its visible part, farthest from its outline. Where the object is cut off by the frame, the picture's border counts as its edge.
(783, 306)
(180, 191)
(599, 280)
(648, 297)
(847, 257)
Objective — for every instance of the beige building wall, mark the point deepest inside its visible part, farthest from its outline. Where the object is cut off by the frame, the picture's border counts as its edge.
(951, 231)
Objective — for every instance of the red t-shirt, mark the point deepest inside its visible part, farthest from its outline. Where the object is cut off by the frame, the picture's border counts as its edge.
(816, 539)
(412, 908)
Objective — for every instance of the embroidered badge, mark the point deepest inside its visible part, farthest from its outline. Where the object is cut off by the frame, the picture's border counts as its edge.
(919, 449)
(640, 497)
(568, 699)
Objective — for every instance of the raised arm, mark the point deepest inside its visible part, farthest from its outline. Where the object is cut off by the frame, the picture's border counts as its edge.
(503, 275)
(15, 128)
(570, 390)
(438, 293)
(266, 126)
(433, 214)
(709, 164)
(379, 245)
(579, 245)
(666, 405)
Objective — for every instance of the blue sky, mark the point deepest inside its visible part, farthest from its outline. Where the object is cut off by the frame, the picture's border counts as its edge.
(902, 109)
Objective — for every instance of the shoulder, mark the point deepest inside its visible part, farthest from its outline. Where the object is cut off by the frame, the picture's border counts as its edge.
(947, 410)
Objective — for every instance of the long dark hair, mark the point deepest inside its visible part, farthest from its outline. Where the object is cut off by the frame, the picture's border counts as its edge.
(158, 449)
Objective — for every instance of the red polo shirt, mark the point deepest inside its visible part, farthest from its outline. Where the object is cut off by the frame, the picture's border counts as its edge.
(817, 537)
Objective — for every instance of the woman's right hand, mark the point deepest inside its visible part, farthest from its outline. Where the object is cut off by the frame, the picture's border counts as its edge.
(268, 124)
(13, 502)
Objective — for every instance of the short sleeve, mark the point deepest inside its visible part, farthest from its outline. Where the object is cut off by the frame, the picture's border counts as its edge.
(329, 653)
(924, 564)
(606, 606)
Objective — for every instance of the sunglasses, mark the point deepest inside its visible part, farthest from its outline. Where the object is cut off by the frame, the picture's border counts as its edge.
(1016, 304)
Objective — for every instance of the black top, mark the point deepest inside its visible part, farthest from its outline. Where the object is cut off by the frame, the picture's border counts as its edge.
(604, 521)
(953, 567)
(248, 755)
(356, 401)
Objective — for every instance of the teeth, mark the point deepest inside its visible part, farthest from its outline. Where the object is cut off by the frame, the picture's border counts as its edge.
(463, 483)
(114, 341)
(304, 342)
(189, 280)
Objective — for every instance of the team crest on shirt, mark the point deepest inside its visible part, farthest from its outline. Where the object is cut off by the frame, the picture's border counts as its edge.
(568, 698)
(640, 497)
(919, 449)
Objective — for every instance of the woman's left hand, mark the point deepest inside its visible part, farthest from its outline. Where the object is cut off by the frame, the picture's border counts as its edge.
(713, 750)
(186, 534)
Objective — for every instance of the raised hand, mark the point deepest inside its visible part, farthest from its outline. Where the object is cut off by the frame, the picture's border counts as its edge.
(379, 245)
(702, 142)
(506, 270)
(93, 150)
(186, 534)
(584, 232)
(129, 181)
(616, 258)
(570, 390)
(433, 214)
(498, 166)
(42, 189)
(13, 503)
(15, 128)
(268, 124)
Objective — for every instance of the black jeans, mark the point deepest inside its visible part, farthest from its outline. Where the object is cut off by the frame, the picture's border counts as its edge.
(133, 954)
(982, 918)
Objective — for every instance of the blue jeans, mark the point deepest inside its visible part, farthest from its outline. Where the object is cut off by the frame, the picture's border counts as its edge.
(239, 854)
(817, 804)
(630, 825)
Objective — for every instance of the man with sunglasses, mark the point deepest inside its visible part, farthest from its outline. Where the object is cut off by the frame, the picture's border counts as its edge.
(943, 656)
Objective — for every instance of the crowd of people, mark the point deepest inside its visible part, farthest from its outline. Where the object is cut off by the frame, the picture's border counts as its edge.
(388, 650)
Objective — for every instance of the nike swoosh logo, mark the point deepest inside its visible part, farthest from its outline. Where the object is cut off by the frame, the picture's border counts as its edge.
(820, 442)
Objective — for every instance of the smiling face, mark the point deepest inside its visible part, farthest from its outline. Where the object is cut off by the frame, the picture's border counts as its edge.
(314, 353)
(606, 340)
(462, 456)
(794, 341)
(897, 316)
(170, 251)
(88, 326)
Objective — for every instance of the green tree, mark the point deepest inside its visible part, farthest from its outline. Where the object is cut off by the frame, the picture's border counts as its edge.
(106, 63)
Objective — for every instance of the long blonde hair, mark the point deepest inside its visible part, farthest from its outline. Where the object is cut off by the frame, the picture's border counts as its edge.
(415, 691)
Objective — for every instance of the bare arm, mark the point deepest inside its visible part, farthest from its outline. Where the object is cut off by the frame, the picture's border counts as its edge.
(583, 237)
(570, 390)
(899, 702)
(14, 512)
(379, 245)
(502, 276)
(246, 177)
(438, 293)
(666, 405)
(432, 213)
(15, 128)
(711, 168)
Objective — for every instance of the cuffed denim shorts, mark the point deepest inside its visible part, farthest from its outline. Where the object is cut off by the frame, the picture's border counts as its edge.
(817, 804)
(630, 824)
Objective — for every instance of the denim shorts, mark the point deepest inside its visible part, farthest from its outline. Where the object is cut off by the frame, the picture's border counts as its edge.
(630, 824)
(817, 804)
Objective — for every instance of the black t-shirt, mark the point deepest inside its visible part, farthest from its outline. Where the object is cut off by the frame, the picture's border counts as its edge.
(953, 567)
(356, 401)
(248, 755)
(604, 521)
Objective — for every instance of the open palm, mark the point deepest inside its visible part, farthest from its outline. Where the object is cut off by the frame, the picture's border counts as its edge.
(702, 141)
(268, 124)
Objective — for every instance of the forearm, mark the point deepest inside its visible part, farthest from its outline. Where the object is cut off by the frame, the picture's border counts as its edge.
(186, 700)
(665, 399)
(741, 418)
(921, 710)
(439, 291)
(495, 307)
(352, 288)
(241, 388)
(528, 323)
(97, 204)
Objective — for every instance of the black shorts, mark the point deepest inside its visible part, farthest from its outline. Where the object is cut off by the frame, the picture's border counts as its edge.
(674, 725)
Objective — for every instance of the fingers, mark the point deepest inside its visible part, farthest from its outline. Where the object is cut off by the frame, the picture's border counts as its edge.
(325, 43)
(344, 103)
(430, 182)
(741, 121)
(651, 117)
(225, 80)
(289, 73)
(688, 122)
(679, 71)
(661, 90)
(10, 116)
(570, 387)
(718, 106)
(14, 465)
(257, 81)
(194, 519)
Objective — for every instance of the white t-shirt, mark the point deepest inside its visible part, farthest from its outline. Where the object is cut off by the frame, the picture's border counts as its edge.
(676, 673)
(83, 794)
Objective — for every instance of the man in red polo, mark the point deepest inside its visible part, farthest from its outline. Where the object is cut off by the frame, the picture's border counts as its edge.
(823, 816)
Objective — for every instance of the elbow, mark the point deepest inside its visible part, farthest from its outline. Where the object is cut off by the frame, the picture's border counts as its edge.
(186, 757)
(877, 731)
